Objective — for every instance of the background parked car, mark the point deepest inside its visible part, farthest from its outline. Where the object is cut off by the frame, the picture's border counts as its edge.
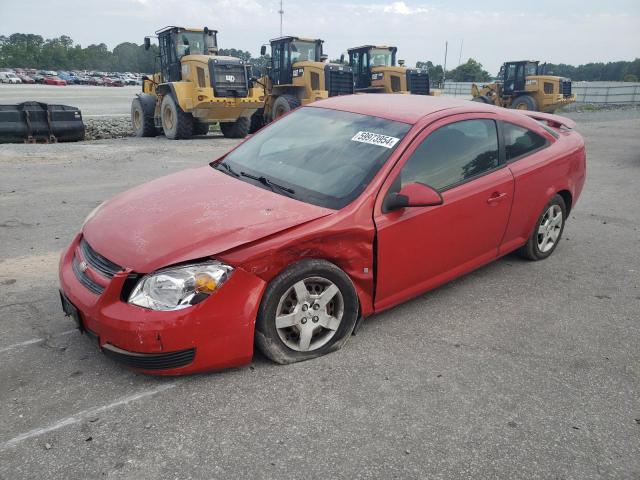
(54, 81)
(26, 78)
(9, 77)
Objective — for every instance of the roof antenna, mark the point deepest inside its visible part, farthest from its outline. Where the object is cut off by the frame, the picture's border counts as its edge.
(281, 12)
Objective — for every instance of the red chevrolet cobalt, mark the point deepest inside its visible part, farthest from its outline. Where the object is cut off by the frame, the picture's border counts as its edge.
(339, 210)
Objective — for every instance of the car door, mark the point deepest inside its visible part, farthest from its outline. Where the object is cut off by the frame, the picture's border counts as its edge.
(419, 248)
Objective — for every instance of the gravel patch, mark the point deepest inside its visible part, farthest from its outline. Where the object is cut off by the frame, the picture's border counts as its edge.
(116, 127)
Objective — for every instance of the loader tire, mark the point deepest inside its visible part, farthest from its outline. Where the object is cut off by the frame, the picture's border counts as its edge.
(176, 123)
(200, 128)
(525, 102)
(237, 129)
(142, 110)
(257, 121)
(283, 105)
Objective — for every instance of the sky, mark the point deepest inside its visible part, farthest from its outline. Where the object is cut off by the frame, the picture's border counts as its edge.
(556, 31)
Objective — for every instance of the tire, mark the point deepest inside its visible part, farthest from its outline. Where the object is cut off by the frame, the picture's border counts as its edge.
(200, 128)
(549, 227)
(142, 118)
(237, 129)
(327, 327)
(176, 124)
(257, 121)
(525, 102)
(283, 105)
(481, 99)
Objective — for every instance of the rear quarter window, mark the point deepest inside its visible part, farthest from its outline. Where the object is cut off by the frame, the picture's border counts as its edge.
(520, 141)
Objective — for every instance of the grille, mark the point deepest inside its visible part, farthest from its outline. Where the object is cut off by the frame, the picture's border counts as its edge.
(338, 80)
(229, 78)
(150, 361)
(97, 262)
(565, 85)
(395, 83)
(418, 82)
(84, 279)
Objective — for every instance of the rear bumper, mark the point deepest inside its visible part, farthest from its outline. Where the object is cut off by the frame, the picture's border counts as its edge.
(215, 334)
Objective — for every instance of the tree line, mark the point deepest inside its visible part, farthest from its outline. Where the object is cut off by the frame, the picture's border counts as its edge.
(26, 50)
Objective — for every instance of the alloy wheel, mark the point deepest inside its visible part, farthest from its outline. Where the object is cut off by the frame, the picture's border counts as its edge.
(309, 314)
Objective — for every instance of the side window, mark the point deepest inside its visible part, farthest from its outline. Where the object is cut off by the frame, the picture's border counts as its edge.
(520, 141)
(453, 154)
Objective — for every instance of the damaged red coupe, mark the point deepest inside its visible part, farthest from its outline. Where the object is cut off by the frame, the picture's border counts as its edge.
(339, 210)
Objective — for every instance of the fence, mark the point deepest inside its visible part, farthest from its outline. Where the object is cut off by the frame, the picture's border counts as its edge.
(620, 93)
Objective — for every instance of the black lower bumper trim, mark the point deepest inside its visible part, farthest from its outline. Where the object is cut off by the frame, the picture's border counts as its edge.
(150, 361)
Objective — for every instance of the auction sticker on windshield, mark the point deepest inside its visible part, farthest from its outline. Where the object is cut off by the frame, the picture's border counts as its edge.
(375, 139)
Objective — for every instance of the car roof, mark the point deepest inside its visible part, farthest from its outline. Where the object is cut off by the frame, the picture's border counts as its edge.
(398, 107)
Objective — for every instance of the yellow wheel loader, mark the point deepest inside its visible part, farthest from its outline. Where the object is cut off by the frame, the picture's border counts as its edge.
(195, 88)
(523, 85)
(375, 71)
(298, 75)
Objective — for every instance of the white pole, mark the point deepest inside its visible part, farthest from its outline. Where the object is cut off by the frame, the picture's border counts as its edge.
(281, 12)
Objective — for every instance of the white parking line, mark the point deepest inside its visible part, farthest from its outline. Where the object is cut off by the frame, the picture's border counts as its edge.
(106, 115)
(80, 416)
(36, 340)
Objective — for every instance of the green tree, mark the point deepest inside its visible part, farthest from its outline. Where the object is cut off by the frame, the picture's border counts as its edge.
(471, 71)
(435, 71)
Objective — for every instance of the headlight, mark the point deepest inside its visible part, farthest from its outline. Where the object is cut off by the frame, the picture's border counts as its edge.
(175, 288)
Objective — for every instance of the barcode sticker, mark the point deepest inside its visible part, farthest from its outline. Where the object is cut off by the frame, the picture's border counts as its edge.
(375, 139)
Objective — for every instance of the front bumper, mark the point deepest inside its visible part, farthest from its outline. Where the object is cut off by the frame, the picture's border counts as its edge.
(214, 334)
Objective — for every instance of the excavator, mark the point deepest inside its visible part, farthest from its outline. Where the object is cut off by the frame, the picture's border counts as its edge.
(298, 75)
(524, 85)
(375, 71)
(194, 88)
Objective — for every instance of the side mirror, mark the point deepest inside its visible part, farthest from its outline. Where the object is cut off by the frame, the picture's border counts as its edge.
(263, 50)
(342, 58)
(147, 43)
(206, 30)
(323, 57)
(401, 62)
(412, 195)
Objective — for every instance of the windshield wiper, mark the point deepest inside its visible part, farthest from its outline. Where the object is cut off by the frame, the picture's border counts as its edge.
(265, 181)
(227, 167)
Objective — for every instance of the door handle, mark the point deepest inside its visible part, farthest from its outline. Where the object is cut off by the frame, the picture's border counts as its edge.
(496, 197)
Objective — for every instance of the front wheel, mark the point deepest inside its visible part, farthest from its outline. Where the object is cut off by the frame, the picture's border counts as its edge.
(283, 105)
(176, 123)
(525, 102)
(309, 310)
(547, 232)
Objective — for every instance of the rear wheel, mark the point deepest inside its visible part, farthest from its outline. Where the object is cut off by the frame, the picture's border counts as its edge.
(284, 104)
(176, 123)
(547, 232)
(237, 129)
(525, 102)
(142, 119)
(309, 310)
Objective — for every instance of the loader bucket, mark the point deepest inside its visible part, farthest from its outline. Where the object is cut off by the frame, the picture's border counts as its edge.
(32, 122)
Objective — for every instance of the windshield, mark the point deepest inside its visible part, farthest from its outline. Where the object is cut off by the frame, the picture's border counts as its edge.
(320, 156)
(301, 51)
(380, 57)
(190, 43)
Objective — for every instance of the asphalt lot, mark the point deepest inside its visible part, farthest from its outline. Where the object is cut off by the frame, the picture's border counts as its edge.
(518, 370)
(93, 101)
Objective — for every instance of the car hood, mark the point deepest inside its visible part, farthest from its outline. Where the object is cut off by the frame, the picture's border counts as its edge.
(192, 214)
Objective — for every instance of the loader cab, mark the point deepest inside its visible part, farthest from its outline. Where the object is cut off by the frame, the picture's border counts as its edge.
(177, 42)
(286, 52)
(362, 59)
(514, 75)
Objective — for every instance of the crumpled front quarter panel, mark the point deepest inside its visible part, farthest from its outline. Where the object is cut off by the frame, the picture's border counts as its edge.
(347, 240)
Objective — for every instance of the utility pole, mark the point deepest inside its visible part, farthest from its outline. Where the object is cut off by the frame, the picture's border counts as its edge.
(444, 69)
(281, 12)
(460, 57)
